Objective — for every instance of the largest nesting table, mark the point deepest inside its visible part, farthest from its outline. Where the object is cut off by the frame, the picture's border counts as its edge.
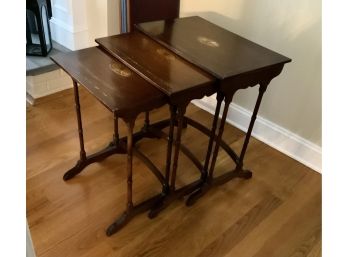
(170, 62)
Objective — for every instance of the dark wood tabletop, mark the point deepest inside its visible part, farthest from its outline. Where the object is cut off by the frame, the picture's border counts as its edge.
(216, 50)
(170, 73)
(121, 90)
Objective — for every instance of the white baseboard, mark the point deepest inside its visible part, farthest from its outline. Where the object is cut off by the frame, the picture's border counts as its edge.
(270, 133)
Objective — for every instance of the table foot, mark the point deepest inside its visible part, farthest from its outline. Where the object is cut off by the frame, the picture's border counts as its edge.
(192, 199)
(96, 157)
(167, 198)
(118, 224)
(205, 187)
(131, 212)
(160, 205)
(246, 174)
(80, 165)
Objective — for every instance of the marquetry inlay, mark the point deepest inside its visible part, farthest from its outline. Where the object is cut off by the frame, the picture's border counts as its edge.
(120, 69)
(208, 42)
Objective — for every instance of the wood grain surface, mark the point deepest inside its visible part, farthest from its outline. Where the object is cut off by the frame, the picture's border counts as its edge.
(218, 51)
(112, 83)
(168, 72)
(275, 214)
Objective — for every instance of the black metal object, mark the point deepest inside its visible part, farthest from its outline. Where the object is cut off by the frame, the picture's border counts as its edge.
(38, 32)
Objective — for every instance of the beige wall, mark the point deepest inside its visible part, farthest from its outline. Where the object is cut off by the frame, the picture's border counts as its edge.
(103, 18)
(292, 28)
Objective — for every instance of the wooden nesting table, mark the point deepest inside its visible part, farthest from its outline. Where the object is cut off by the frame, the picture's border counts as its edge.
(236, 62)
(169, 62)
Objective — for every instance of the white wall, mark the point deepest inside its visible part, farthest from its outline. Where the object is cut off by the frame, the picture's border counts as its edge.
(69, 23)
(290, 27)
(77, 23)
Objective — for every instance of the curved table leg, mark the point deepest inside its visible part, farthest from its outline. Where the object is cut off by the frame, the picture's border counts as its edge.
(206, 183)
(126, 216)
(262, 90)
(171, 195)
(219, 98)
(160, 204)
(238, 171)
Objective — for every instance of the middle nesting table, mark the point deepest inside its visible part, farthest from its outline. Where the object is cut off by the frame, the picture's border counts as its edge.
(180, 80)
(126, 95)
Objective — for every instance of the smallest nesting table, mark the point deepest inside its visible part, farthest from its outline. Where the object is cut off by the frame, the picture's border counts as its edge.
(126, 95)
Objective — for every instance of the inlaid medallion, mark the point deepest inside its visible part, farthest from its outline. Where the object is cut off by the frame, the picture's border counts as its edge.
(120, 69)
(208, 42)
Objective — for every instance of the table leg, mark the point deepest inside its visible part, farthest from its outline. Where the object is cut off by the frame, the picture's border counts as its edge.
(113, 148)
(228, 100)
(177, 115)
(116, 137)
(208, 133)
(132, 210)
(81, 163)
(126, 216)
(147, 120)
(173, 112)
(116, 146)
(206, 184)
(238, 171)
(262, 90)
(146, 133)
(177, 142)
(219, 98)
(161, 204)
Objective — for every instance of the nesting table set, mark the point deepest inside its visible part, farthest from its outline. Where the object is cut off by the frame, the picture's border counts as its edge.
(171, 63)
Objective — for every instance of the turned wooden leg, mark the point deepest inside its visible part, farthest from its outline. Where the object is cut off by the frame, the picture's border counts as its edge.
(262, 90)
(177, 142)
(127, 215)
(81, 163)
(173, 111)
(202, 190)
(130, 126)
(166, 190)
(238, 171)
(177, 114)
(219, 98)
(116, 134)
(147, 120)
(228, 100)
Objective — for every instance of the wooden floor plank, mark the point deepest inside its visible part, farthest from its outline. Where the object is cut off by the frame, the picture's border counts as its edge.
(241, 228)
(276, 213)
(258, 237)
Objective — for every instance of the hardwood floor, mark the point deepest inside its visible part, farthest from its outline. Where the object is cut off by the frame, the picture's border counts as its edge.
(275, 214)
